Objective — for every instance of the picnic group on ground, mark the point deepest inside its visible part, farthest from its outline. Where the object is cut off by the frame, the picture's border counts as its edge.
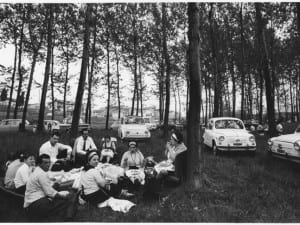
(98, 178)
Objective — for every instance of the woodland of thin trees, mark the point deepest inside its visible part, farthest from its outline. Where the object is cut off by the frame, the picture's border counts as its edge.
(248, 57)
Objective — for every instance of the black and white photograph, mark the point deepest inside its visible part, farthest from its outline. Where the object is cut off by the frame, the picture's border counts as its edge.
(158, 112)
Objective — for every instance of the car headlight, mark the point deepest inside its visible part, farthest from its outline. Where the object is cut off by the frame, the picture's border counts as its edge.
(270, 142)
(297, 146)
(127, 133)
(221, 138)
(252, 138)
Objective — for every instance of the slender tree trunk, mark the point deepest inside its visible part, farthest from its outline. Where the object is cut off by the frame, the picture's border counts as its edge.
(261, 96)
(217, 95)
(66, 82)
(22, 127)
(88, 107)
(161, 92)
(242, 63)
(13, 77)
(141, 88)
(20, 67)
(118, 84)
(49, 19)
(265, 67)
(194, 163)
(52, 83)
(108, 81)
(175, 101)
(168, 69)
(84, 64)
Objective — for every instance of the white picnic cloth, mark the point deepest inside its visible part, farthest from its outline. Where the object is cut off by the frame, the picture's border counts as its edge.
(164, 165)
(119, 205)
(136, 174)
(107, 152)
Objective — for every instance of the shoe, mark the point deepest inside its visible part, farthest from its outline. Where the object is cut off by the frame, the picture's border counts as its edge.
(126, 194)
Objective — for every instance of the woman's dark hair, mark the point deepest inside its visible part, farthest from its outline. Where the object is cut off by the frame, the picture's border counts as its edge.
(89, 155)
(41, 157)
(27, 155)
(179, 136)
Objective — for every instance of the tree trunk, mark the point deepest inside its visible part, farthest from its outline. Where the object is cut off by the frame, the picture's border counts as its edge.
(49, 19)
(194, 159)
(22, 127)
(118, 84)
(261, 95)
(13, 76)
(66, 82)
(161, 92)
(84, 64)
(141, 88)
(265, 68)
(242, 64)
(20, 67)
(168, 69)
(52, 83)
(291, 98)
(91, 75)
(216, 111)
(108, 81)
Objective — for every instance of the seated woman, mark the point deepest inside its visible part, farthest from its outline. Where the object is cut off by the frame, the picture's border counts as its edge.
(17, 162)
(23, 173)
(108, 149)
(95, 187)
(133, 163)
(176, 153)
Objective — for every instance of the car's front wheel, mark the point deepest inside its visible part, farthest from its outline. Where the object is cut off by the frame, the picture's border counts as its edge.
(215, 149)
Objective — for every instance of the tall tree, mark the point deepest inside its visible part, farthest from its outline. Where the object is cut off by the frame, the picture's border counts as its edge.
(194, 165)
(19, 63)
(49, 19)
(168, 68)
(89, 20)
(264, 62)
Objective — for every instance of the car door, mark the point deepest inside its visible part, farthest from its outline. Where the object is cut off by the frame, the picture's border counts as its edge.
(207, 136)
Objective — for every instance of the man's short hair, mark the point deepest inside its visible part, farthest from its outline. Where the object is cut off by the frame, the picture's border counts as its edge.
(55, 132)
(41, 157)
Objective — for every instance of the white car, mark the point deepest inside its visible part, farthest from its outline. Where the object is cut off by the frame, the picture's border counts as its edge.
(149, 122)
(51, 125)
(133, 128)
(228, 134)
(286, 146)
(8, 125)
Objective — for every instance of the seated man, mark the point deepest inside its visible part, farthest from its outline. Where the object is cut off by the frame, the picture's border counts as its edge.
(12, 168)
(42, 201)
(82, 145)
(56, 151)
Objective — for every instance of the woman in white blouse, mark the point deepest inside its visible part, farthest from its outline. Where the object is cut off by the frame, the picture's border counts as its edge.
(96, 188)
(23, 173)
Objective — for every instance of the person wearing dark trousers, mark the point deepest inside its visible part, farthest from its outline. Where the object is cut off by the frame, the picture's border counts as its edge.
(97, 188)
(82, 145)
(42, 202)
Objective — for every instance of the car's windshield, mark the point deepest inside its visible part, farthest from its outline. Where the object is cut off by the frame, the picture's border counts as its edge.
(134, 120)
(229, 124)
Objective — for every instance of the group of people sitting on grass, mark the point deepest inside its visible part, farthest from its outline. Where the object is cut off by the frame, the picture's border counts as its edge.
(117, 178)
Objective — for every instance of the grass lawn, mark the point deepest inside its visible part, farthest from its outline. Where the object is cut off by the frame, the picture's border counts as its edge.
(238, 188)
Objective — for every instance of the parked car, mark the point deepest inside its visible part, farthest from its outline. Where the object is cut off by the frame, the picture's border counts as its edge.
(9, 125)
(133, 128)
(51, 125)
(115, 125)
(228, 134)
(149, 122)
(286, 146)
(67, 122)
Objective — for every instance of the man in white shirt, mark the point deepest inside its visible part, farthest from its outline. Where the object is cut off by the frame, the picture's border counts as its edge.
(82, 145)
(42, 201)
(53, 148)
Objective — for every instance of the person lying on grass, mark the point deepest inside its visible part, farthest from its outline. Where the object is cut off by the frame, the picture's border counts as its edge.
(42, 201)
(24, 172)
(60, 154)
(96, 188)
